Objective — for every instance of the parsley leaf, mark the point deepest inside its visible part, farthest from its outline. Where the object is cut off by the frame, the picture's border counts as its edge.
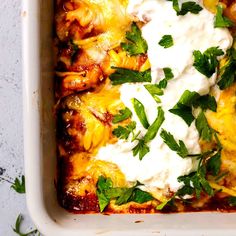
(106, 192)
(206, 102)
(166, 41)
(206, 63)
(154, 127)
(140, 112)
(19, 186)
(220, 20)
(141, 148)
(203, 127)
(136, 43)
(186, 7)
(154, 90)
(168, 76)
(123, 115)
(183, 108)
(214, 163)
(122, 75)
(124, 132)
(169, 140)
(232, 201)
(228, 72)
(18, 226)
(103, 185)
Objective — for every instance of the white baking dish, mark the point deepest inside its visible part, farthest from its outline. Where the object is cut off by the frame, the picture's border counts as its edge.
(40, 158)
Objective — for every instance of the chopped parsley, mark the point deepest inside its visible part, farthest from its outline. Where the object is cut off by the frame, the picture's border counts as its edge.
(155, 91)
(183, 108)
(141, 148)
(206, 63)
(220, 20)
(168, 76)
(19, 185)
(170, 141)
(232, 201)
(136, 43)
(206, 102)
(186, 7)
(124, 132)
(122, 75)
(124, 114)
(214, 164)
(140, 112)
(106, 192)
(166, 41)
(17, 228)
(228, 72)
(205, 131)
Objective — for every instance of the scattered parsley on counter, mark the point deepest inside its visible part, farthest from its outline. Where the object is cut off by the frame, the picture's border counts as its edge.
(140, 112)
(220, 20)
(136, 43)
(186, 7)
(106, 192)
(19, 186)
(166, 41)
(122, 75)
(170, 141)
(207, 62)
(18, 226)
(123, 115)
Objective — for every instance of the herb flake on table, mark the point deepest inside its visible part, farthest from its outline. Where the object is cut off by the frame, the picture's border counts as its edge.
(19, 185)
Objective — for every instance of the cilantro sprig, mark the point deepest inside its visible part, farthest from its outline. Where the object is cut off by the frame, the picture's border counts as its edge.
(220, 20)
(166, 41)
(122, 75)
(207, 62)
(17, 228)
(106, 192)
(186, 7)
(170, 141)
(124, 114)
(136, 43)
(19, 185)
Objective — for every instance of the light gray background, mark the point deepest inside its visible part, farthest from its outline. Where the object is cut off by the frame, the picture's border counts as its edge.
(11, 127)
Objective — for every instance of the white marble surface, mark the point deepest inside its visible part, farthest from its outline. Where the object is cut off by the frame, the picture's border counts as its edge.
(11, 128)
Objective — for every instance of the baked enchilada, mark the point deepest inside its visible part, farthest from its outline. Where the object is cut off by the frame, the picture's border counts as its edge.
(145, 105)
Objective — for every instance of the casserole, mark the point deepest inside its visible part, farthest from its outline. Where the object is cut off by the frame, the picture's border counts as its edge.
(40, 164)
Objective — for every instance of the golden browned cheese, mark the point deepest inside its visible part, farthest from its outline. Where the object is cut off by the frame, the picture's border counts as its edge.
(87, 45)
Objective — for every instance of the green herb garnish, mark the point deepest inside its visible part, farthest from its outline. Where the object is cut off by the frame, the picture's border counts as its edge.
(19, 186)
(124, 114)
(168, 76)
(140, 112)
(206, 63)
(166, 41)
(205, 131)
(136, 43)
(170, 141)
(124, 132)
(106, 192)
(206, 102)
(122, 75)
(220, 20)
(186, 7)
(155, 91)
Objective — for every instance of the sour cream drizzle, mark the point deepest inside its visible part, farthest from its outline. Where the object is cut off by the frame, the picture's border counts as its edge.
(161, 167)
